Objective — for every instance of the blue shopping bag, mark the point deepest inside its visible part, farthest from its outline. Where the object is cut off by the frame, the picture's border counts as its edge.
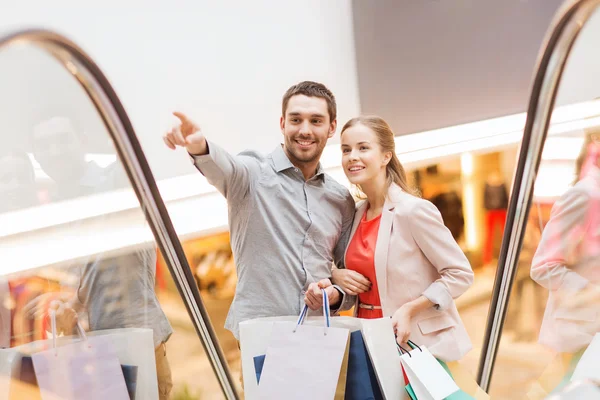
(361, 383)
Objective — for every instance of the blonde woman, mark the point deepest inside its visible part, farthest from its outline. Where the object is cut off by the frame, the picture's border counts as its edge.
(401, 261)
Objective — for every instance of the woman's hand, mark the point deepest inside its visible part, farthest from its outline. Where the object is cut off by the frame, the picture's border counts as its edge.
(350, 281)
(401, 323)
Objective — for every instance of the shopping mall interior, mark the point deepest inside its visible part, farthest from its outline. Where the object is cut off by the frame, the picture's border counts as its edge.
(495, 108)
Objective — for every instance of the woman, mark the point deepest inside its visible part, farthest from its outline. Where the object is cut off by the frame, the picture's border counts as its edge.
(401, 260)
(566, 263)
(567, 259)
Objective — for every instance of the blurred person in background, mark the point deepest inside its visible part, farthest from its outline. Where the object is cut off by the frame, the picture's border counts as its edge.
(567, 260)
(116, 291)
(17, 191)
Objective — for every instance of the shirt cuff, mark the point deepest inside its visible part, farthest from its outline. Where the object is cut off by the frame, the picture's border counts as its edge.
(438, 295)
(199, 159)
(335, 309)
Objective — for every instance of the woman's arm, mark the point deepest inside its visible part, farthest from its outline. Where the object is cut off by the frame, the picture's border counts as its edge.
(557, 249)
(401, 320)
(442, 251)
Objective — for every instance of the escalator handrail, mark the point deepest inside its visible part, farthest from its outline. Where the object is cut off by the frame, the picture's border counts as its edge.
(130, 153)
(559, 41)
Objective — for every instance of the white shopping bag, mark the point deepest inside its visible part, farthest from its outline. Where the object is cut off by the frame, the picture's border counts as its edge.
(79, 370)
(303, 361)
(378, 335)
(380, 340)
(133, 346)
(427, 377)
(588, 365)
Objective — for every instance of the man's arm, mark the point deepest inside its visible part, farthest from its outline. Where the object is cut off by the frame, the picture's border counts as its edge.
(347, 220)
(229, 174)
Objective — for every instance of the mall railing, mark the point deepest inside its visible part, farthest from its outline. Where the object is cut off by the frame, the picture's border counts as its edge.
(551, 63)
(93, 81)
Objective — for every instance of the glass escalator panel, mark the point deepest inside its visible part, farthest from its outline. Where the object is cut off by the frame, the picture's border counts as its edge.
(551, 331)
(86, 299)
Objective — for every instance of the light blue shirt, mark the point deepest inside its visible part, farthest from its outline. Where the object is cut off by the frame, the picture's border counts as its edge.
(286, 232)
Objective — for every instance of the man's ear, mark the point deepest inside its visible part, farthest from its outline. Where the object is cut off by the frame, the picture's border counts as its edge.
(332, 128)
(282, 123)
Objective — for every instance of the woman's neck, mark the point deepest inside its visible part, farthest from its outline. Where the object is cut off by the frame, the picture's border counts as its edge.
(376, 190)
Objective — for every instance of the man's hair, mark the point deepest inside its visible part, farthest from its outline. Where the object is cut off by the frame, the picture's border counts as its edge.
(311, 89)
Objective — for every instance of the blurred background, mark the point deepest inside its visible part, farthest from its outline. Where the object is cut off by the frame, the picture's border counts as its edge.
(453, 78)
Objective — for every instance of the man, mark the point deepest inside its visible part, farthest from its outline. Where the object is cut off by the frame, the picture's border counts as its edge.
(289, 221)
(116, 291)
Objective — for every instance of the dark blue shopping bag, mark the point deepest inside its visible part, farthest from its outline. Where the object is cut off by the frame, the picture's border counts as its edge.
(361, 381)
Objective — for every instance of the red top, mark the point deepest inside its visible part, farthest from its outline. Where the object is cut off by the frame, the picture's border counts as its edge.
(360, 257)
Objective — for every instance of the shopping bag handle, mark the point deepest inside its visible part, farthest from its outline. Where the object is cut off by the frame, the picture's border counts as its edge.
(326, 313)
(52, 312)
(402, 350)
(412, 345)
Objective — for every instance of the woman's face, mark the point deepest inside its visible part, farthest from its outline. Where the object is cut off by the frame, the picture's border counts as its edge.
(362, 158)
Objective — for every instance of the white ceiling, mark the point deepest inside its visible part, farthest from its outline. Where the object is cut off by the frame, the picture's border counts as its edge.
(426, 64)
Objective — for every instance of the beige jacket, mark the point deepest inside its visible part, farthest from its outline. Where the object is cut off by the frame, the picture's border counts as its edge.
(415, 256)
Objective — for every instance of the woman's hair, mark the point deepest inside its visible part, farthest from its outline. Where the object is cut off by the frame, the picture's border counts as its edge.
(385, 137)
(591, 134)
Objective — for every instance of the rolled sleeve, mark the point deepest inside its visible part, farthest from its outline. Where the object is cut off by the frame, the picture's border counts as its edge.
(438, 295)
(558, 247)
(437, 244)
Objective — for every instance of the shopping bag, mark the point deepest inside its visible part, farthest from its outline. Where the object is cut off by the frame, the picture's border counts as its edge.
(362, 382)
(380, 340)
(468, 387)
(80, 370)
(426, 376)
(28, 381)
(378, 336)
(588, 366)
(303, 361)
(464, 380)
(555, 377)
(133, 346)
(340, 391)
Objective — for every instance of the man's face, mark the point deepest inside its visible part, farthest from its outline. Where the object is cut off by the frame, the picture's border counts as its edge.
(60, 154)
(306, 126)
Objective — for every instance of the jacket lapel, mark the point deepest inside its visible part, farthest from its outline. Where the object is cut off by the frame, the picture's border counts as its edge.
(381, 250)
(357, 217)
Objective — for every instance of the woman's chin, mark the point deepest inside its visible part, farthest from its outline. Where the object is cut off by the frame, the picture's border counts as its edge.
(355, 180)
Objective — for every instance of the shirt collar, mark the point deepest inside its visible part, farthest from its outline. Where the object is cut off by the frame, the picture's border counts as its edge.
(282, 162)
(93, 175)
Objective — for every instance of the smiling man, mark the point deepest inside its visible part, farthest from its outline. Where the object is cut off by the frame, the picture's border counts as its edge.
(289, 221)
